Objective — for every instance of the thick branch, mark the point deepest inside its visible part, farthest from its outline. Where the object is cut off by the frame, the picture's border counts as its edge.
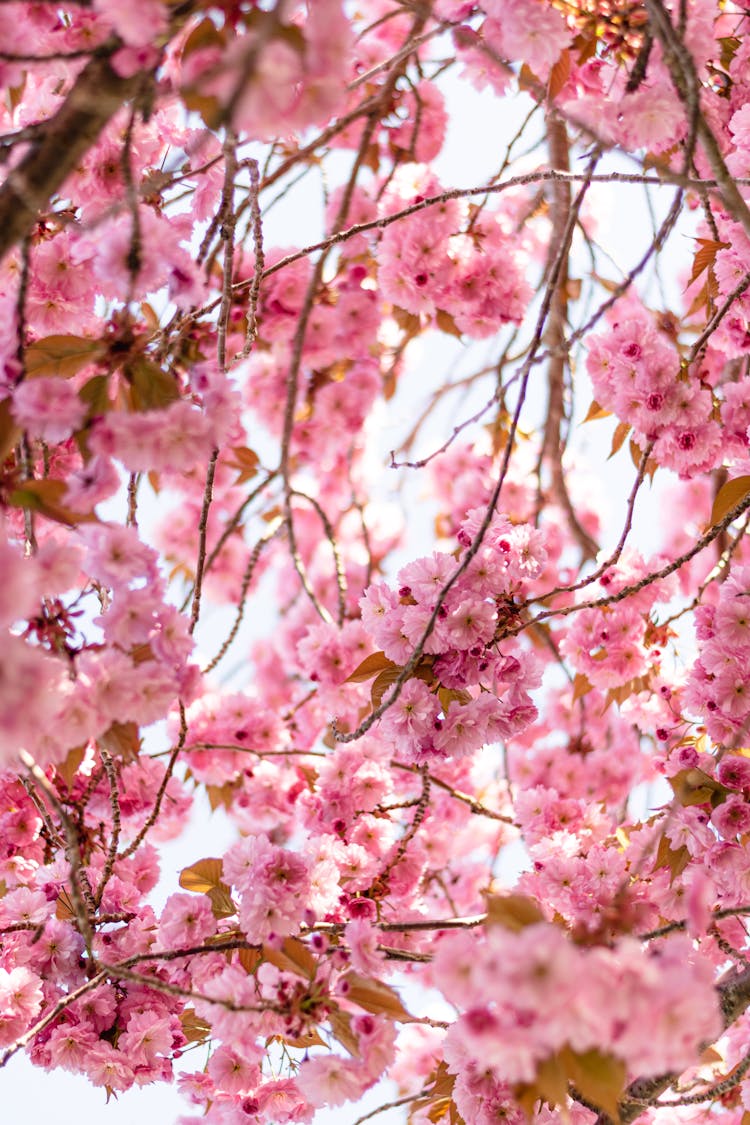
(553, 445)
(61, 143)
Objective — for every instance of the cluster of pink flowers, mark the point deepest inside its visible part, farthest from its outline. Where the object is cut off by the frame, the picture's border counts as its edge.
(430, 265)
(613, 644)
(718, 686)
(526, 995)
(637, 374)
(157, 343)
(464, 648)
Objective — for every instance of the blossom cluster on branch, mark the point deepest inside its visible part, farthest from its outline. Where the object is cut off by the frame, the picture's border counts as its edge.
(479, 731)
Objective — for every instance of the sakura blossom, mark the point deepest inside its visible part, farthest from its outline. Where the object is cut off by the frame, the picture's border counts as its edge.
(374, 487)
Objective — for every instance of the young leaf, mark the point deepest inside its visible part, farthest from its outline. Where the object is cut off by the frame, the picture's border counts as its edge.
(596, 411)
(600, 1077)
(293, 957)
(370, 666)
(151, 387)
(385, 680)
(559, 75)
(618, 438)
(203, 876)
(375, 997)
(513, 912)
(68, 768)
(341, 1026)
(9, 431)
(122, 740)
(47, 498)
(694, 787)
(63, 356)
(195, 1029)
(731, 493)
(551, 1081)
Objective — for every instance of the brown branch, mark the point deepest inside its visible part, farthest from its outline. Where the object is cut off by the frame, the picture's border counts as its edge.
(59, 146)
(553, 446)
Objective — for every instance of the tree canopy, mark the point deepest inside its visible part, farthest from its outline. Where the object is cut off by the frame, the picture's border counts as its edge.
(343, 541)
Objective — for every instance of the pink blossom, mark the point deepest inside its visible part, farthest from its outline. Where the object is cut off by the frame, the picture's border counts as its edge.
(48, 408)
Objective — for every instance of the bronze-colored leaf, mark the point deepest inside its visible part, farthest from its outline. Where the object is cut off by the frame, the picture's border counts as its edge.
(618, 438)
(341, 1026)
(249, 959)
(694, 787)
(245, 461)
(293, 957)
(513, 912)
(195, 1029)
(9, 431)
(203, 876)
(705, 256)
(600, 1077)
(222, 903)
(447, 324)
(559, 75)
(151, 388)
(308, 1038)
(95, 393)
(731, 493)
(46, 498)
(596, 411)
(375, 997)
(122, 740)
(370, 666)
(206, 34)
(68, 768)
(551, 1081)
(63, 356)
(581, 686)
(380, 686)
(676, 860)
(64, 907)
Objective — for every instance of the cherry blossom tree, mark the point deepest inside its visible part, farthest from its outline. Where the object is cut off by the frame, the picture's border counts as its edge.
(311, 532)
